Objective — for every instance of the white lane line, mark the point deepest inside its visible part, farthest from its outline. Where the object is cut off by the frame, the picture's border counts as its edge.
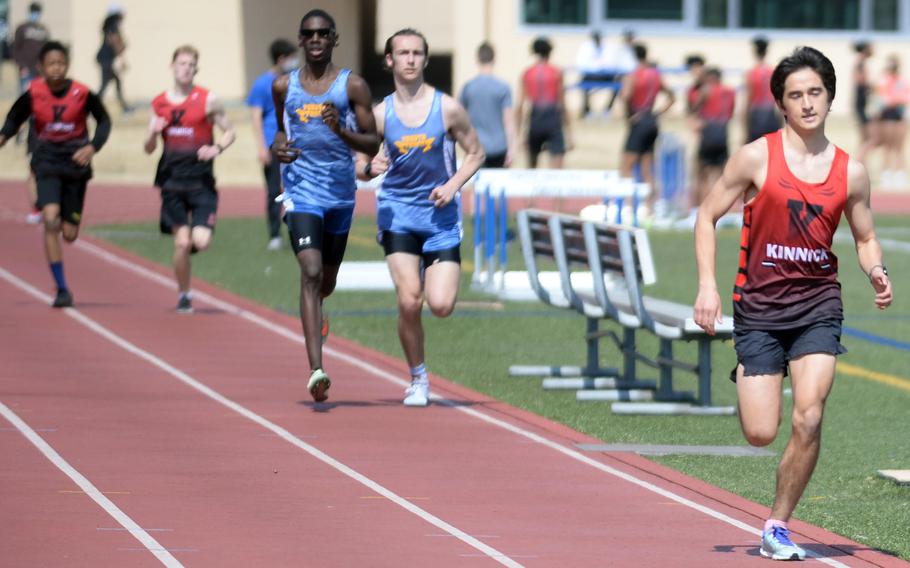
(128, 524)
(376, 371)
(252, 416)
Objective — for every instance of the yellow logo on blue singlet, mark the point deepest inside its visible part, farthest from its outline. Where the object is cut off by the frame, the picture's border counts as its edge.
(309, 110)
(414, 141)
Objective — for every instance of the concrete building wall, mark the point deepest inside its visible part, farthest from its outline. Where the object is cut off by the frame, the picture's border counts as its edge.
(433, 18)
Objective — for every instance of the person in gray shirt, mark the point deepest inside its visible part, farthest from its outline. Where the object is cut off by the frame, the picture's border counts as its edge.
(488, 101)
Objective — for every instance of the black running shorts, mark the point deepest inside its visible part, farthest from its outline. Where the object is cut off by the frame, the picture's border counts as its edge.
(67, 192)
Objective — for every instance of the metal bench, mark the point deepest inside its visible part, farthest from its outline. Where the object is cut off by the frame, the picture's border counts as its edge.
(536, 230)
(572, 256)
(669, 321)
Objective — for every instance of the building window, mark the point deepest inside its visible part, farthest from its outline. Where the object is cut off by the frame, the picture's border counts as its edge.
(643, 9)
(884, 15)
(713, 14)
(556, 11)
(800, 14)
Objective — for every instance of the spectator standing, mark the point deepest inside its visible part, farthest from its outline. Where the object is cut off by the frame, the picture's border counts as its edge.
(488, 101)
(30, 37)
(265, 125)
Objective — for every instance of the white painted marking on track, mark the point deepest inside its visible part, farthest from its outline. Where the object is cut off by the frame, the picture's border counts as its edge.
(252, 416)
(128, 524)
(376, 371)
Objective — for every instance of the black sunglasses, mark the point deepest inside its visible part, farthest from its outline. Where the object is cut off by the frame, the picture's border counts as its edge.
(321, 32)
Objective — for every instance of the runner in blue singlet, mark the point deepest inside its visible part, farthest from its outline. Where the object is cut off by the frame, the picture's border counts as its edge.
(419, 214)
(323, 116)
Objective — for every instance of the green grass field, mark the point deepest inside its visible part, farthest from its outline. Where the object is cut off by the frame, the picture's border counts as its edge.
(867, 424)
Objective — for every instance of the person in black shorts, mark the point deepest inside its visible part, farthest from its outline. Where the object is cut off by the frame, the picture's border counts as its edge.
(184, 117)
(868, 126)
(640, 89)
(548, 124)
(62, 152)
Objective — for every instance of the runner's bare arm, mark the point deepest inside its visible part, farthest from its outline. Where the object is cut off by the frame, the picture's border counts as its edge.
(280, 148)
(868, 249)
(364, 139)
(459, 126)
(669, 96)
(739, 175)
(519, 108)
(379, 163)
(216, 113)
(157, 124)
(564, 115)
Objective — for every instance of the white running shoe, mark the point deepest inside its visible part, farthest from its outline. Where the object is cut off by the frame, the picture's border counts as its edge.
(776, 545)
(418, 394)
(34, 217)
(274, 244)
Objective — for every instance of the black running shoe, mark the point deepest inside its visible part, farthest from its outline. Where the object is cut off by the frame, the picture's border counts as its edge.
(184, 305)
(64, 299)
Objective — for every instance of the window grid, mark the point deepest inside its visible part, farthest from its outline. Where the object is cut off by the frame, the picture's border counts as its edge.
(887, 16)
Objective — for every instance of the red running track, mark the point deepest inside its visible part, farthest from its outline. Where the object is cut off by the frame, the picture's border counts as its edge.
(194, 443)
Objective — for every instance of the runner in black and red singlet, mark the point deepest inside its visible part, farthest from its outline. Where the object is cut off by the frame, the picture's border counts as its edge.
(184, 117)
(639, 91)
(714, 109)
(787, 301)
(62, 153)
(548, 123)
(762, 115)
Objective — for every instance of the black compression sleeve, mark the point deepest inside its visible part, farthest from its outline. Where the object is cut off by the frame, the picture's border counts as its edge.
(18, 114)
(102, 120)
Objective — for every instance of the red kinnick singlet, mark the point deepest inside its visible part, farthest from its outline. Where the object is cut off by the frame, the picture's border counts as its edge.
(787, 272)
(59, 119)
(188, 129)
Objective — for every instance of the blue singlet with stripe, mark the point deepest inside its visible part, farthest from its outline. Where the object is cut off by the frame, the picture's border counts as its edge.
(323, 174)
(420, 160)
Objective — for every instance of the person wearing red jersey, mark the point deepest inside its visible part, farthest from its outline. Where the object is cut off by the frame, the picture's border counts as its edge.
(640, 89)
(713, 109)
(787, 309)
(62, 154)
(761, 115)
(184, 117)
(548, 124)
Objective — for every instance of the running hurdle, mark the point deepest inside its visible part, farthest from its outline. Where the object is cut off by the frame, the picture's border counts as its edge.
(492, 190)
(670, 170)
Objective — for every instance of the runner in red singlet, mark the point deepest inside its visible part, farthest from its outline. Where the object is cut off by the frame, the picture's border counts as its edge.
(714, 108)
(639, 91)
(761, 115)
(184, 116)
(787, 301)
(62, 152)
(548, 124)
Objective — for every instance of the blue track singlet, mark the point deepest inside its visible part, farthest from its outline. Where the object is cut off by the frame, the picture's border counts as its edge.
(323, 174)
(420, 160)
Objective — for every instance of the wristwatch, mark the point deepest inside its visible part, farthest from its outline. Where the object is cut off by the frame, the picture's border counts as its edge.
(882, 266)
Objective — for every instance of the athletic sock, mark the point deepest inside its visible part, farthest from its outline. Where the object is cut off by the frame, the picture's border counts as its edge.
(774, 523)
(57, 271)
(188, 295)
(419, 373)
